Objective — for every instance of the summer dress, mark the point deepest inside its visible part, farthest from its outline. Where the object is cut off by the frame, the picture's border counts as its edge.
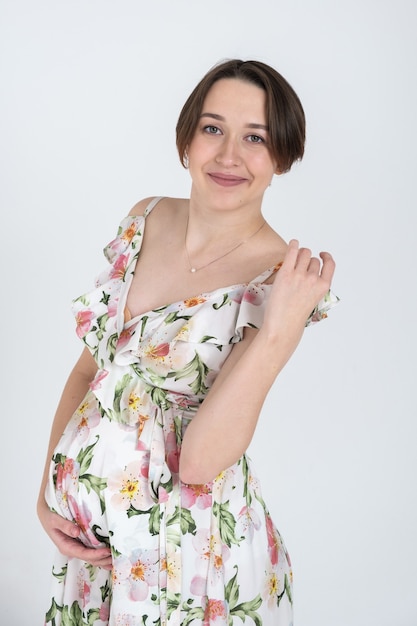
(199, 555)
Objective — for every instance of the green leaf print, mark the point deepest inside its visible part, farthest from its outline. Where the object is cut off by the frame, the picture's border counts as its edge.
(92, 571)
(91, 482)
(159, 397)
(184, 518)
(106, 298)
(187, 522)
(248, 609)
(155, 520)
(244, 609)
(173, 602)
(99, 537)
(195, 366)
(102, 321)
(93, 616)
(173, 317)
(173, 536)
(105, 591)
(96, 484)
(143, 325)
(245, 470)
(72, 616)
(131, 511)
(155, 378)
(192, 613)
(206, 338)
(59, 458)
(111, 345)
(135, 242)
(226, 522)
(226, 300)
(85, 456)
(94, 352)
(287, 590)
(52, 612)
(154, 517)
(83, 299)
(60, 575)
(118, 391)
(232, 591)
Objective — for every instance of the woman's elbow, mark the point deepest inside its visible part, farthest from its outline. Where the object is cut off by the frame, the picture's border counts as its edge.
(196, 472)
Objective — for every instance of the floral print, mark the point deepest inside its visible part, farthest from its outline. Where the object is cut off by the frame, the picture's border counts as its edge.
(198, 555)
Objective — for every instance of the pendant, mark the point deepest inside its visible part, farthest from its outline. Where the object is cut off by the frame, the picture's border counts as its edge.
(192, 270)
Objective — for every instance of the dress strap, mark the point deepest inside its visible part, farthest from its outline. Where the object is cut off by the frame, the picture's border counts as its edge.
(151, 205)
(266, 274)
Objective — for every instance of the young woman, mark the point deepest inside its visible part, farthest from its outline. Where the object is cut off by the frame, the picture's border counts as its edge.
(148, 493)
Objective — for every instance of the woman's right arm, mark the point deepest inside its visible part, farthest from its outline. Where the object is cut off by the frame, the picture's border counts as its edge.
(64, 533)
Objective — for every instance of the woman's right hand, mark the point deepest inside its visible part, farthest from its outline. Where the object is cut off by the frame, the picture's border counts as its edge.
(65, 535)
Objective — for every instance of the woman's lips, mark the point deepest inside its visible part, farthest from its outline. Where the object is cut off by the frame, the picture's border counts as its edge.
(226, 180)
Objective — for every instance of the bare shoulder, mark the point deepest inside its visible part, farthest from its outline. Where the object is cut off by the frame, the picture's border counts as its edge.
(275, 241)
(165, 203)
(140, 207)
(275, 248)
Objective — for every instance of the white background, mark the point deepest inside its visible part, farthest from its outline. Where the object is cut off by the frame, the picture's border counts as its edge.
(90, 94)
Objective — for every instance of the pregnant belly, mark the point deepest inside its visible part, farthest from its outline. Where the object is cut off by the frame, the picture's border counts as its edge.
(102, 472)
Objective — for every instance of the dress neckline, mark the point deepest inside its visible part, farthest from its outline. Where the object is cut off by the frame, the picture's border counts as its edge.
(206, 295)
(127, 317)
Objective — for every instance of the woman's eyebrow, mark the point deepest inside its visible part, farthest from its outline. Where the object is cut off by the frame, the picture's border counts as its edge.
(215, 116)
(220, 118)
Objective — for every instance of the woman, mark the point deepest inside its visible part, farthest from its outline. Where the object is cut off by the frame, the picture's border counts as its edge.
(149, 496)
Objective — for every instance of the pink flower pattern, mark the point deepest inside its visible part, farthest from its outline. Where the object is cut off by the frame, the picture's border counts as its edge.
(84, 322)
(138, 572)
(199, 495)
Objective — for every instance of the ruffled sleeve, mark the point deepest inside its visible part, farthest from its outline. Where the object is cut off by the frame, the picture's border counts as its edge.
(252, 308)
(129, 235)
(99, 318)
(128, 229)
(254, 300)
(320, 311)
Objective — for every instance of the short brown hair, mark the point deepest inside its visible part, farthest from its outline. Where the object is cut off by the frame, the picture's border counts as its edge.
(284, 111)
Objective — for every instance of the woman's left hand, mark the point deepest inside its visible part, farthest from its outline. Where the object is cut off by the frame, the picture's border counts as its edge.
(299, 285)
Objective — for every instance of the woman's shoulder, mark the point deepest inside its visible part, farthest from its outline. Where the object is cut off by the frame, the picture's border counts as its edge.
(164, 202)
(273, 248)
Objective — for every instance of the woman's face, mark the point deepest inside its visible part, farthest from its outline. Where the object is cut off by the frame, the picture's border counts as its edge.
(229, 158)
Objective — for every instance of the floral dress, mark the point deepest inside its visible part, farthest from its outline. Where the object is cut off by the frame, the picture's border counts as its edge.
(198, 555)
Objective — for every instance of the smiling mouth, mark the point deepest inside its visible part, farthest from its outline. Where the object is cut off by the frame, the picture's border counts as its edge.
(226, 180)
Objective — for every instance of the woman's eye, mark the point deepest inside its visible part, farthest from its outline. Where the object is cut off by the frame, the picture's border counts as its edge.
(256, 139)
(211, 130)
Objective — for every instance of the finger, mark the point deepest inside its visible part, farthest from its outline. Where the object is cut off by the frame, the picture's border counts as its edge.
(65, 526)
(99, 557)
(75, 548)
(328, 267)
(291, 253)
(92, 555)
(314, 265)
(303, 258)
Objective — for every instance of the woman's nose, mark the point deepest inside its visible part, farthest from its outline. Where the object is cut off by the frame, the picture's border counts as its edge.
(229, 153)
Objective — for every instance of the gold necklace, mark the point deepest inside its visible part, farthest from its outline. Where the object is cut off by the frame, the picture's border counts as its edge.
(194, 269)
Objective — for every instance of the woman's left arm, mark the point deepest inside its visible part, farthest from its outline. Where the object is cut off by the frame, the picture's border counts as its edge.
(224, 425)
